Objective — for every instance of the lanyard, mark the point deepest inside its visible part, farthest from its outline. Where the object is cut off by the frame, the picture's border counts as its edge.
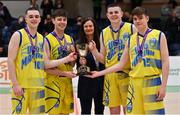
(59, 40)
(141, 46)
(30, 39)
(112, 34)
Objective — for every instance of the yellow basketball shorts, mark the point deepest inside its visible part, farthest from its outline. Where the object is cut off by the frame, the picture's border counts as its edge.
(115, 89)
(59, 95)
(32, 101)
(142, 94)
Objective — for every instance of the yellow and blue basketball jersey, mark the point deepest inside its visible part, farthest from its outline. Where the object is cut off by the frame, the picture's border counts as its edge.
(59, 90)
(116, 84)
(30, 66)
(115, 47)
(57, 51)
(150, 63)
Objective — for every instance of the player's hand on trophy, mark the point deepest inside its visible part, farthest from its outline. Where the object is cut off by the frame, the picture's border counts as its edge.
(71, 57)
(92, 46)
(70, 48)
(93, 74)
(70, 74)
(82, 61)
(82, 50)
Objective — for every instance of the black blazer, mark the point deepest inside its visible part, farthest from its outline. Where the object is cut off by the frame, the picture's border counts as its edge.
(89, 87)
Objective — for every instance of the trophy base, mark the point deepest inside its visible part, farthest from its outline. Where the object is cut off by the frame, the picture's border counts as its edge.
(83, 70)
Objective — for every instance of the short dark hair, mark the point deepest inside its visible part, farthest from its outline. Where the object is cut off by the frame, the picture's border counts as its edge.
(59, 12)
(113, 5)
(31, 8)
(139, 11)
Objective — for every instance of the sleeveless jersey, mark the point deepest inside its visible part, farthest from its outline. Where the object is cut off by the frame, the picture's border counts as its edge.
(59, 88)
(150, 63)
(57, 51)
(30, 67)
(114, 47)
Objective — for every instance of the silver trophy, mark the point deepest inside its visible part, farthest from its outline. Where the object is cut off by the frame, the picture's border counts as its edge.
(82, 50)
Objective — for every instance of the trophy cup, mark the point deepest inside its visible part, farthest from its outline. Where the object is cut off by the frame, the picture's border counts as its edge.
(82, 50)
(70, 49)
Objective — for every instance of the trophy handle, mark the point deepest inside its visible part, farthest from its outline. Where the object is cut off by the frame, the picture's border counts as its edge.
(86, 47)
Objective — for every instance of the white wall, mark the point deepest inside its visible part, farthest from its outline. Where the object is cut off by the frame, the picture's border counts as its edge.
(82, 7)
(18, 8)
(85, 8)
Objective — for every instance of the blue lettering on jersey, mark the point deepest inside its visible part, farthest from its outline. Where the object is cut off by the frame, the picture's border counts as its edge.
(135, 60)
(115, 46)
(146, 52)
(39, 64)
(149, 62)
(26, 60)
(59, 52)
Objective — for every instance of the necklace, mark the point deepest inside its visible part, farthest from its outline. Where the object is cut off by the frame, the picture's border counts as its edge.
(62, 50)
(141, 46)
(118, 30)
(30, 39)
(60, 39)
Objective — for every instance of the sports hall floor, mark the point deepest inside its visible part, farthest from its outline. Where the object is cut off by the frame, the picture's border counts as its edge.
(172, 101)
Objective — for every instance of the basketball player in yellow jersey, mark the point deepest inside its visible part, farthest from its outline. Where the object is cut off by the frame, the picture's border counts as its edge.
(148, 54)
(112, 43)
(59, 90)
(26, 60)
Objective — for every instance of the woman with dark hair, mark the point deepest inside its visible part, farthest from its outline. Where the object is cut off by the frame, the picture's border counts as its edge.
(90, 89)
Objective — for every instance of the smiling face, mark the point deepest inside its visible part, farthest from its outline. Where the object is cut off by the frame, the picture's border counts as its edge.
(140, 18)
(114, 14)
(88, 28)
(60, 23)
(32, 18)
(140, 21)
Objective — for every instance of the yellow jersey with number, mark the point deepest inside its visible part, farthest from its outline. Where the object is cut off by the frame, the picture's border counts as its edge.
(150, 63)
(59, 88)
(30, 66)
(57, 51)
(114, 47)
